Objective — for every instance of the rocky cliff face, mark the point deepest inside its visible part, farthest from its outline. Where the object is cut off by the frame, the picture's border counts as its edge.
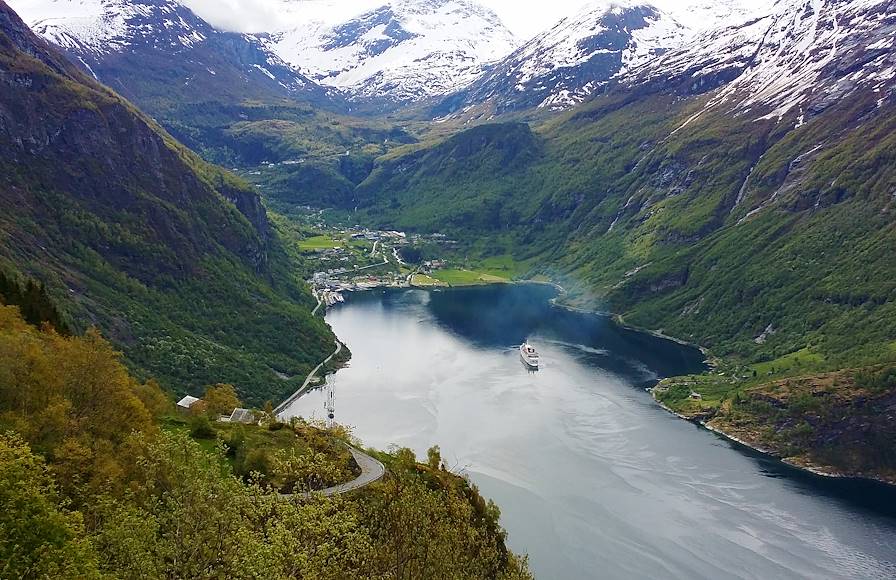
(159, 51)
(134, 233)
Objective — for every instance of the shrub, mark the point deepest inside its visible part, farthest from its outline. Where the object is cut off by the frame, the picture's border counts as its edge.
(201, 427)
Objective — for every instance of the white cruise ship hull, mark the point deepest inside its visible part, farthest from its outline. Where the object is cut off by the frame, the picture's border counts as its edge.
(529, 361)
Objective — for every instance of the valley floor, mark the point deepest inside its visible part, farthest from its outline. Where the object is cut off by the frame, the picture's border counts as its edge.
(786, 408)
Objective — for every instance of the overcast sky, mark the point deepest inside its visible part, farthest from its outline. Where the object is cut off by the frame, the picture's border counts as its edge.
(526, 18)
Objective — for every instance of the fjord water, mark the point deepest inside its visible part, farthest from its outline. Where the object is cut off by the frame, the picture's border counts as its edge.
(593, 478)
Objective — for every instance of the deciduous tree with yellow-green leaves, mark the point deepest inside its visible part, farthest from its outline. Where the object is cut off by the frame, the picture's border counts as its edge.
(91, 487)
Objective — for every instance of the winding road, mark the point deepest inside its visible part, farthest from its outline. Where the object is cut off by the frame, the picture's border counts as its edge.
(316, 308)
(371, 469)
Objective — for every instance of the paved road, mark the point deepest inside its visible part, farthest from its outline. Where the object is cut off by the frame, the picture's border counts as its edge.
(316, 308)
(371, 470)
(304, 386)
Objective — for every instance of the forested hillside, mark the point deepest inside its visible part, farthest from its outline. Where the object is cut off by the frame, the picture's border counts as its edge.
(98, 481)
(170, 257)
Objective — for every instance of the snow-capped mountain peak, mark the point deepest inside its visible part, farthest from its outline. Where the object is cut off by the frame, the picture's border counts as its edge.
(804, 56)
(403, 50)
(121, 40)
(104, 26)
(565, 64)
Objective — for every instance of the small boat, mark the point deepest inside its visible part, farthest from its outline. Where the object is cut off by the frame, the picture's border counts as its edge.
(529, 355)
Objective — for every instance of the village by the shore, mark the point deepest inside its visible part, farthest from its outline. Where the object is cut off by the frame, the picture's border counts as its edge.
(384, 266)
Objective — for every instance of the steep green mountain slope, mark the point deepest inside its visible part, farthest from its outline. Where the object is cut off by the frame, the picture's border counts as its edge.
(664, 226)
(763, 231)
(467, 182)
(225, 96)
(172, 258)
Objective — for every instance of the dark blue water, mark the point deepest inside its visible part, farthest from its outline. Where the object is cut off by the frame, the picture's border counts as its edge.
(495, 316)
(593, 478)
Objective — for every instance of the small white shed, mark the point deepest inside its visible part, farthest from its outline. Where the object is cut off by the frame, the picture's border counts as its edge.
(187, 402)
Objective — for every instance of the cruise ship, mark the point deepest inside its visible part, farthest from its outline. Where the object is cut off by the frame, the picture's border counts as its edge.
(529, 355)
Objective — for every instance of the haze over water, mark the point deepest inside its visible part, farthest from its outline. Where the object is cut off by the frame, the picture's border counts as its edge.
(593, 478)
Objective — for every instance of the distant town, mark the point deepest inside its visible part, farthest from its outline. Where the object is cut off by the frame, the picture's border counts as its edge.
(358, 259)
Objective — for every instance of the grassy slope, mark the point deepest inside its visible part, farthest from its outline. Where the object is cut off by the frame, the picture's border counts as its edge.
(459, 277)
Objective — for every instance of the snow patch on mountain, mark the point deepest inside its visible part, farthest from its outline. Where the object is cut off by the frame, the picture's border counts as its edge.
(404, 50)
(633, 34)
(98, 26)
(95, 32)
(800, 59)
(567, 63)
(106, 26)
(586, 51)
(702, 15)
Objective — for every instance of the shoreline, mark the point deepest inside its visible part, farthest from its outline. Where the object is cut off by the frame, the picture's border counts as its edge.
(619, 319)
(829, 473)
(306, 386)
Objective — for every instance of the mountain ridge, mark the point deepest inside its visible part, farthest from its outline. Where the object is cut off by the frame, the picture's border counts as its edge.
(133, 233)
(585, 53)
(403, 50)
(564, 65)
(120, 39)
